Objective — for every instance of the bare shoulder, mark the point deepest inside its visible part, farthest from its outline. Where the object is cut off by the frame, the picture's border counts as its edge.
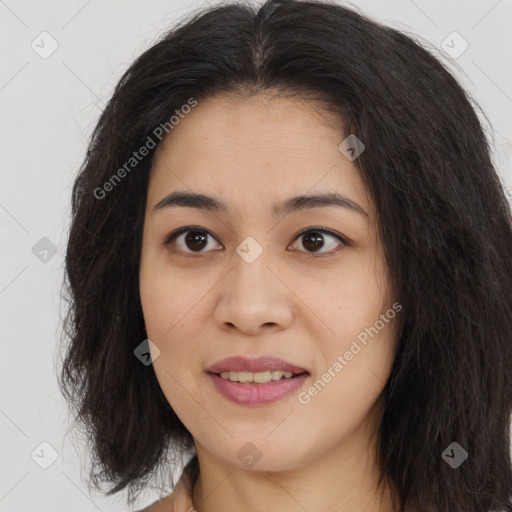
(162, 505)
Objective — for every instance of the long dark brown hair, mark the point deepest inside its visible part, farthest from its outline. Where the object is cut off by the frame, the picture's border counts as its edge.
(443, 218)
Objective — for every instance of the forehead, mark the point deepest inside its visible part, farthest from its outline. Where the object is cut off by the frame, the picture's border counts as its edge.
(254, 149)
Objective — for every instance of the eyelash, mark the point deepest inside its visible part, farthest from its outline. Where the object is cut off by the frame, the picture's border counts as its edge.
(174, 234)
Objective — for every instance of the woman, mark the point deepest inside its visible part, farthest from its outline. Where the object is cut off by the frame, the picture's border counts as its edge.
(290, 255)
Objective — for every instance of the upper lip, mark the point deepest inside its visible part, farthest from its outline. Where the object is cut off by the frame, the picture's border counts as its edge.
(260, 364)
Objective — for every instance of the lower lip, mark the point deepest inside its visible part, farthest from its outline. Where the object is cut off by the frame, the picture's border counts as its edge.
(257, 394)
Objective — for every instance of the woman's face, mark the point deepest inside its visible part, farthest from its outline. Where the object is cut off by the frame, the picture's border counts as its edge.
(242, 282)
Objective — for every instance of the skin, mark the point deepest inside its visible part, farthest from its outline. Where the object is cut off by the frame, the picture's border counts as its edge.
(291, 302)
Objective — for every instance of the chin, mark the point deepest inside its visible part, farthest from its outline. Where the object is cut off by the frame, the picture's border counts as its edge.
(264, 456)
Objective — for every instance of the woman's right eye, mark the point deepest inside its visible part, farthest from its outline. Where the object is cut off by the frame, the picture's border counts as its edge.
(189, 238)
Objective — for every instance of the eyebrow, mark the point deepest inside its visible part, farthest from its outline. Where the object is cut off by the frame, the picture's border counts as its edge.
(293, 204)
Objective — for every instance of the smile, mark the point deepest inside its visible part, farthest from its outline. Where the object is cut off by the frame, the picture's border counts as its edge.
(252, 393)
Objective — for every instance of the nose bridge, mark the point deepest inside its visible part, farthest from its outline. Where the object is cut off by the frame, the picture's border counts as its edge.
(252, 295)
(251, 277)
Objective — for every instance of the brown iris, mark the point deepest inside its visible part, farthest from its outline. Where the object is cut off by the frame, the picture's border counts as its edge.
(196, 240)
(311, 241)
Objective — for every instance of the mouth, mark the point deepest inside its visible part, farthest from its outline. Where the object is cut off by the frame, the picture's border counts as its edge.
(258, 394)
(258, 378)
(243, 365)
(256, 381)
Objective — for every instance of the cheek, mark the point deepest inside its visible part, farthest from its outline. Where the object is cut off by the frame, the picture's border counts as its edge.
(352, 302)
(352, 380)
(174, 316)
(172, 321)
(172, 327)
(360, 349)
(167, 301)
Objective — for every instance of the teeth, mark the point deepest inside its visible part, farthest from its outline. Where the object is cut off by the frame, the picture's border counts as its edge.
(259, 377)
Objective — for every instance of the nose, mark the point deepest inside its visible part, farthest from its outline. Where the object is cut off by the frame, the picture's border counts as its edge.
(254, 297)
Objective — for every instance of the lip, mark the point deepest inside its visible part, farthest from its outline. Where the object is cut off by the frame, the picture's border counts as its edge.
(259, 364)
(257, 394)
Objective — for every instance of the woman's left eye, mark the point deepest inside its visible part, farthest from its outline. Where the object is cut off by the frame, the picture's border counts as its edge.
(313, 240)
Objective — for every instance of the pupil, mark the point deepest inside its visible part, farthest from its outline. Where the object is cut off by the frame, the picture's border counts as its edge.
(196, 237)
(310, 241)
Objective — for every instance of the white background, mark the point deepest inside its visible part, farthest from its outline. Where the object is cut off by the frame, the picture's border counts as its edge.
(48, 108)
